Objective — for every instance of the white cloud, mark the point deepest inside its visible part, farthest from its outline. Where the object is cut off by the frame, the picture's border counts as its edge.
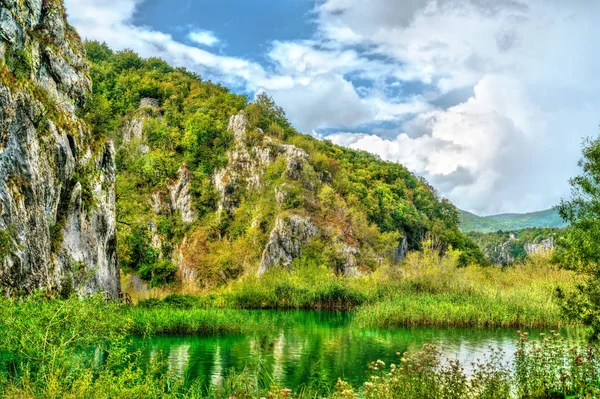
(511, 146)
(204, 37)
(110, 21)
(324, 101)
(482, 153)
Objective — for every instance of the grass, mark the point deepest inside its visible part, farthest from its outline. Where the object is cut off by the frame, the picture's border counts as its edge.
(435, 292)
(427, 289)
(167, 320)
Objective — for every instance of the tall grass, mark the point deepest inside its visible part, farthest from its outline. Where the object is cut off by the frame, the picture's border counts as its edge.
(426, 289)
(432, 290)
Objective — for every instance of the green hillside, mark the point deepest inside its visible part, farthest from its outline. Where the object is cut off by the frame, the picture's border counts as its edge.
(510, 221)
(212, 185)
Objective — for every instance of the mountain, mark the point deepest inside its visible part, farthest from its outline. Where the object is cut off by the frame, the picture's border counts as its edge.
(57, 178)
(109, 160)
(510, 221)
(212, 186)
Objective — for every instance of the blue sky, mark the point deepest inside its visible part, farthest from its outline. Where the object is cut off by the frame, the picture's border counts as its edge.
(242, 27)
(487, 99)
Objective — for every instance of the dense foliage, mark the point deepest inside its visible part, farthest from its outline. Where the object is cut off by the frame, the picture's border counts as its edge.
(374, 207)
(580, 246)
(511, 221)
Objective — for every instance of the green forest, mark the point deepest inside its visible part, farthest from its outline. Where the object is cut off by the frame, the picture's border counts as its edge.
(509, 222)
(373, 208)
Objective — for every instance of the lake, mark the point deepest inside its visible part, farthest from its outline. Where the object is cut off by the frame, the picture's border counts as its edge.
(318, 347)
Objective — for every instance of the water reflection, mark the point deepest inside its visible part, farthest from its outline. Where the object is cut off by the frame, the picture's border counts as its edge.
(318, 347)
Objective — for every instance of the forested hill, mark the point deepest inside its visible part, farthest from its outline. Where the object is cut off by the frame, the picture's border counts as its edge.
(212, 185)
(510, 221)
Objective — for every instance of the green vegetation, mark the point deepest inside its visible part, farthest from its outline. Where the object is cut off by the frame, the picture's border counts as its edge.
(79, 349)
(505, 248)
(511, 221)
(580, 245)
(372, 209)
(426, 289)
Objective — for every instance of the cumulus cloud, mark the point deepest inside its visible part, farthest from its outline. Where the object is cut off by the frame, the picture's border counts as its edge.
(204, 37)
(111, 21)
(492, 96)
(514, 143)
(465, 150)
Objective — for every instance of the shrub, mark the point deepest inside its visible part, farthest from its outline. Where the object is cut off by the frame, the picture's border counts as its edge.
(160, 273)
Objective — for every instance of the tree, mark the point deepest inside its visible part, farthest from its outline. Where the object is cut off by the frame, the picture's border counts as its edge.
(580, 245)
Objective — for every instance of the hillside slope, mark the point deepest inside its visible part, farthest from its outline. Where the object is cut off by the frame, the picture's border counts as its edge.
(510, 221)
(212, 186)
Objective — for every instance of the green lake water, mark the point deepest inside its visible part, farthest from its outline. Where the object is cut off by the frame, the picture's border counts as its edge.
(317, 348)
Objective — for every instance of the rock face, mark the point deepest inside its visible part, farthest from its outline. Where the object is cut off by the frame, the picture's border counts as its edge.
(286, 241)
(181, 198)
(541, 247)
(350, 267)
(57, 181)
(401, 250)
(248, 162)
(501, 254)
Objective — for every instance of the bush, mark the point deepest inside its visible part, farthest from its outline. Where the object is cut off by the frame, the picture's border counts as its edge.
(160, 273)
(181, 301)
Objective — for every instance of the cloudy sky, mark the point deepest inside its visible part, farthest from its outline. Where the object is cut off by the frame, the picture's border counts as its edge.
(487, 99)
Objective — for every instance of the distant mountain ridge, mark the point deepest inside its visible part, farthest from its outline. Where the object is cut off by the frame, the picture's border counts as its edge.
(510, 221)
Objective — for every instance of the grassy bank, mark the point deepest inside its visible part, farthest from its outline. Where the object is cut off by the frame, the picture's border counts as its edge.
(435, 292)
(427, 289)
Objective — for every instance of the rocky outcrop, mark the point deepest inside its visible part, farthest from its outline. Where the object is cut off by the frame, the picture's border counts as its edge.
(350, 266)
(248, 162)
(500, 254)
(149, 102)
(181, 197)
(540, 247)
(57, 181)
(401, 250)
(286, 240)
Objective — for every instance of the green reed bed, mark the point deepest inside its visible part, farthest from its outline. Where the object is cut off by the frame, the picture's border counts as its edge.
(435, 292)
(456, 310)
(427, 289)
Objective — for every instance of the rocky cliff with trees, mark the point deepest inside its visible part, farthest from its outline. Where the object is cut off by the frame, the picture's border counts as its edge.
(57, 178)
(214, 185)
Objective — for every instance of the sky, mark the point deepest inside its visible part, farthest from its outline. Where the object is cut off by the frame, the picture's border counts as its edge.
(489, 100)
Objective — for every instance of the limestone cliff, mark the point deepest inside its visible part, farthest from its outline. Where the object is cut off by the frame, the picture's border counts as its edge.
(286, 241)
(248, 162)
(57, 181)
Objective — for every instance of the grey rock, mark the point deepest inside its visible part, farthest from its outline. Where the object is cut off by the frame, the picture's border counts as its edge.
(541, 247)
(401, 250)
(181, 197)
(350, 267)
(247, 164)
(286, 240)
(149, 102)
(9, 29)
(57, 183)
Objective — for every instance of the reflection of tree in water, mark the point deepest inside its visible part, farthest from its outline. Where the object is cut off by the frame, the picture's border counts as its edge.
(314, 351)
(178, 358)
